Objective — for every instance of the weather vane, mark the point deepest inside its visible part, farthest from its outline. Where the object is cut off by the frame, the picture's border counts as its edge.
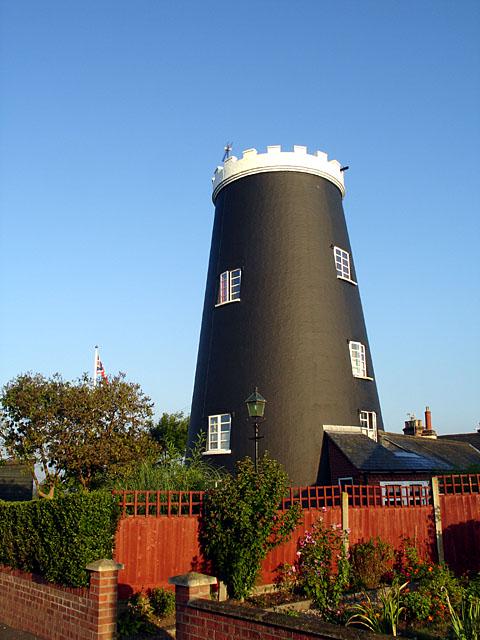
(227, 148)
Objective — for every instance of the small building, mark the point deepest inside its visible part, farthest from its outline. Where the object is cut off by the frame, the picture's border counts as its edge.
(350, 457)
(16, 481)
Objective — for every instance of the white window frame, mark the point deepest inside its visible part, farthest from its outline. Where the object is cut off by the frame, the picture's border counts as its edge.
(229, 283)
(358, 360)
(215, 433)
(404, 492)
(342, 265)
(368, 420)
(346, 484)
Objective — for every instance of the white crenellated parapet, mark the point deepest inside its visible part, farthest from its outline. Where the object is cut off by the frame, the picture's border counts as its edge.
(275, 159)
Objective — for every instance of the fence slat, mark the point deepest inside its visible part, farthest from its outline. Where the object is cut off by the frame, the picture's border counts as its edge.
(315, 497)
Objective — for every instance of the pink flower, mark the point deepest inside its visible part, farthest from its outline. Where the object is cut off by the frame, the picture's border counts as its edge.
(324, 509)
(299, 553)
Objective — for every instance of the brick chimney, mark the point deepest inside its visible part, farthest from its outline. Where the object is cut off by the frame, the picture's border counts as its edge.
(413, 426)
(428, 432)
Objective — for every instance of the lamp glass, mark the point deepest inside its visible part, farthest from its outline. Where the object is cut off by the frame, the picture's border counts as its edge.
(255, 405)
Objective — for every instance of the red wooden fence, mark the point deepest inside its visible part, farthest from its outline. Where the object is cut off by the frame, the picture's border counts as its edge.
(158, 534)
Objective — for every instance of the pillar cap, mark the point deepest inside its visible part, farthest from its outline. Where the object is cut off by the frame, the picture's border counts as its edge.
(275, 159)
(104, 565)
(192, 579)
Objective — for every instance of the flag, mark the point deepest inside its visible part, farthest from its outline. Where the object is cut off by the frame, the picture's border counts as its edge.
(99, 369)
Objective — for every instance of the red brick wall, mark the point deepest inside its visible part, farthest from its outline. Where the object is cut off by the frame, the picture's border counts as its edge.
(340, 466)
(376, 478)
(59, 613)
(201, 619)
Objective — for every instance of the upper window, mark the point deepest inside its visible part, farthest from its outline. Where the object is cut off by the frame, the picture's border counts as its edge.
(368, 420)
(342, 264)
(358, 359)
(229, 287)
(219, 428)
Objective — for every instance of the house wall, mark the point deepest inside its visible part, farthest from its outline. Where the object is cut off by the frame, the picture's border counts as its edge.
(376, 478)
(340, 466)
(15, 482)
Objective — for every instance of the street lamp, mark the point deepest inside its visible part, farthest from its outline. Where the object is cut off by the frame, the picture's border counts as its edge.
(256, 408)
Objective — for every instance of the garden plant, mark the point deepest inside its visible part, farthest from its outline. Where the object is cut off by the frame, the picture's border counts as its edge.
(370, 562)
(321, 570)
(144, 611)
(382, 616)
(241, 522)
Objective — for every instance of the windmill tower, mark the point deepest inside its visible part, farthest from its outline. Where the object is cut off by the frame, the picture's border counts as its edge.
(282, 311)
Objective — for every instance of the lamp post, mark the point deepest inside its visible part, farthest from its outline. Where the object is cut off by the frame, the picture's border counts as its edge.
(256, 408)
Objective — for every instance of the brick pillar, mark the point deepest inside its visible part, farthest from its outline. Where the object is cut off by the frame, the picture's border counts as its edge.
(103, 596)
(189, 586)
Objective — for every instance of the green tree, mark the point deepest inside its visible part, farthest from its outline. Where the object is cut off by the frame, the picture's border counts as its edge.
(73, 431)
(241, 522)
(171, 431)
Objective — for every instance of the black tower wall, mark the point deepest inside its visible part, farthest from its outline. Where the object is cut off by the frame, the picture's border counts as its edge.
(289, 332)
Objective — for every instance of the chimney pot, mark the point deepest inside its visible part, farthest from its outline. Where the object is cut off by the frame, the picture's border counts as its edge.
(428, 419)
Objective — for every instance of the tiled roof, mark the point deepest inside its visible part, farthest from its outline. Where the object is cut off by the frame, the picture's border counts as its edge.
(472, 439)
(396, 453)
(459, 456)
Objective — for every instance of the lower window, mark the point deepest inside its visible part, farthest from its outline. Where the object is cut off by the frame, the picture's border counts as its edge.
(405, 492)
(219, 427)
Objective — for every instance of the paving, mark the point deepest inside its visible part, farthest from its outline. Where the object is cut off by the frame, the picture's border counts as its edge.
(7, 633)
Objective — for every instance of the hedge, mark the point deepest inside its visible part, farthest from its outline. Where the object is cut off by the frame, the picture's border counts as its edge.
(57, 538)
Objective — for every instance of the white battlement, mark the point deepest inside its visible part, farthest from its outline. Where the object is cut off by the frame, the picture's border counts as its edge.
(275, 159)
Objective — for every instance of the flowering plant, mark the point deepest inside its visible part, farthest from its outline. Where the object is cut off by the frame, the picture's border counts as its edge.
(321, 570)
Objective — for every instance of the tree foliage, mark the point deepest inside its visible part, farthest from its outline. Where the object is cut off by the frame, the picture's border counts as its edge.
(172, 473)
(73, 431)
(171, 431)
(241, 522)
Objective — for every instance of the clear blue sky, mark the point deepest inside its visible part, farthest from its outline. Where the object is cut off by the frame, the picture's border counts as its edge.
(113, 116)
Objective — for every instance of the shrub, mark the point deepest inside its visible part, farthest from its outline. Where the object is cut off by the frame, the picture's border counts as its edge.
(136, 617)
(143, 609)
(241, 522)
(472, 586)
(162, 602)
(370, 561)
(57, 538)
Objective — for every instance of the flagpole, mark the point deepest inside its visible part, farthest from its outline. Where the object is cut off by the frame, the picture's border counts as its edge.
(95, 366)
